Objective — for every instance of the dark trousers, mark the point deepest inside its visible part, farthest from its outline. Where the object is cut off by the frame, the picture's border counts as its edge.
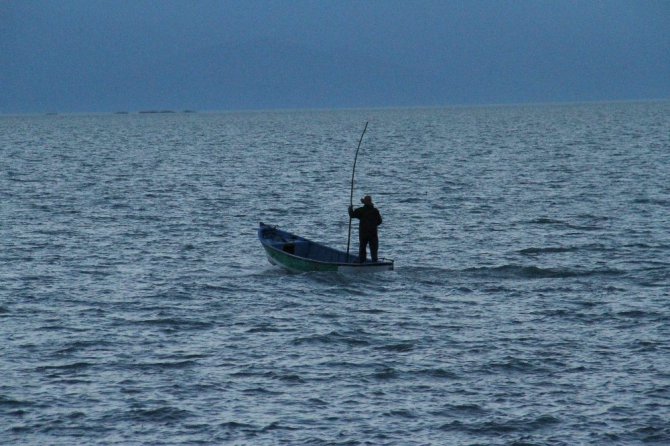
(364, 240)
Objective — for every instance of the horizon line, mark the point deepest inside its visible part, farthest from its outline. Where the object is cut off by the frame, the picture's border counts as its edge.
(162, 110)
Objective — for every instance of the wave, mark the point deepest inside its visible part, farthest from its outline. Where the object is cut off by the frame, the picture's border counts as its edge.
(233, 429)
(562, 249)
(455, 410)
(640, 314)
(159, 415)
(545, 221)
(654, 201)
(333, 337)
(550, 250)
(591, 222)
(535, 272)
(234, 425)
(176, 323)
(400, 347)
(435, 373)
(388, 373)
(79, 345)
(515, 365)
(276, 375)
(164, 365)
(501, 426)
(73, 367)
(12, 403)
(510, 271)
(269, 328)
(275, 425)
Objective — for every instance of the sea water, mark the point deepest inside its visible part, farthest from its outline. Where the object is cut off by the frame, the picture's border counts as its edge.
(530, 302)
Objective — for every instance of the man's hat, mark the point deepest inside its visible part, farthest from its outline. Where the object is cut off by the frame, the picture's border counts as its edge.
(366, 200)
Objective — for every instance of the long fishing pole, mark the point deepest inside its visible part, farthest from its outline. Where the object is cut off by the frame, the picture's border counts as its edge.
(351, 197)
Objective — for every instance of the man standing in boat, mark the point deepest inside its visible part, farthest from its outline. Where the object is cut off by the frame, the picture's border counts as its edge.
(370, 218)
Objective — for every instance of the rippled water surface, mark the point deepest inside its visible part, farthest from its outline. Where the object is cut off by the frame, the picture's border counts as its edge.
(529, 304)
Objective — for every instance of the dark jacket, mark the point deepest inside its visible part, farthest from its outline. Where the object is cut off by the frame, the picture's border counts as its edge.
(370, 218)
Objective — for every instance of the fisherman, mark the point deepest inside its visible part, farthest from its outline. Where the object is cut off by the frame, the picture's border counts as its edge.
(370, 218)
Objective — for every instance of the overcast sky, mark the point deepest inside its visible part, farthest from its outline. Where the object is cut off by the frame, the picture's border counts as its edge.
(127, 55)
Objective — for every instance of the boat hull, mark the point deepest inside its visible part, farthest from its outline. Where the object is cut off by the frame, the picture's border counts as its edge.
(297, 254)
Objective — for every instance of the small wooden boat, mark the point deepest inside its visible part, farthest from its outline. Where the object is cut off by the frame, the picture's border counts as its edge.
(298, 254)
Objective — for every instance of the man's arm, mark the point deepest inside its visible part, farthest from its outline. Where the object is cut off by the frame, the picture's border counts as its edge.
(354, 213)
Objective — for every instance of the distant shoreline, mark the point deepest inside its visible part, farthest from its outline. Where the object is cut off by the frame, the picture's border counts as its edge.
(371, 108)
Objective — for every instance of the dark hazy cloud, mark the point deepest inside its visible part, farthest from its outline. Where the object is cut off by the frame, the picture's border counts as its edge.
(94, 55)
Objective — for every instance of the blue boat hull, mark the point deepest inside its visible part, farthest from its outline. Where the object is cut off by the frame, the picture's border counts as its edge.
(299, 254)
